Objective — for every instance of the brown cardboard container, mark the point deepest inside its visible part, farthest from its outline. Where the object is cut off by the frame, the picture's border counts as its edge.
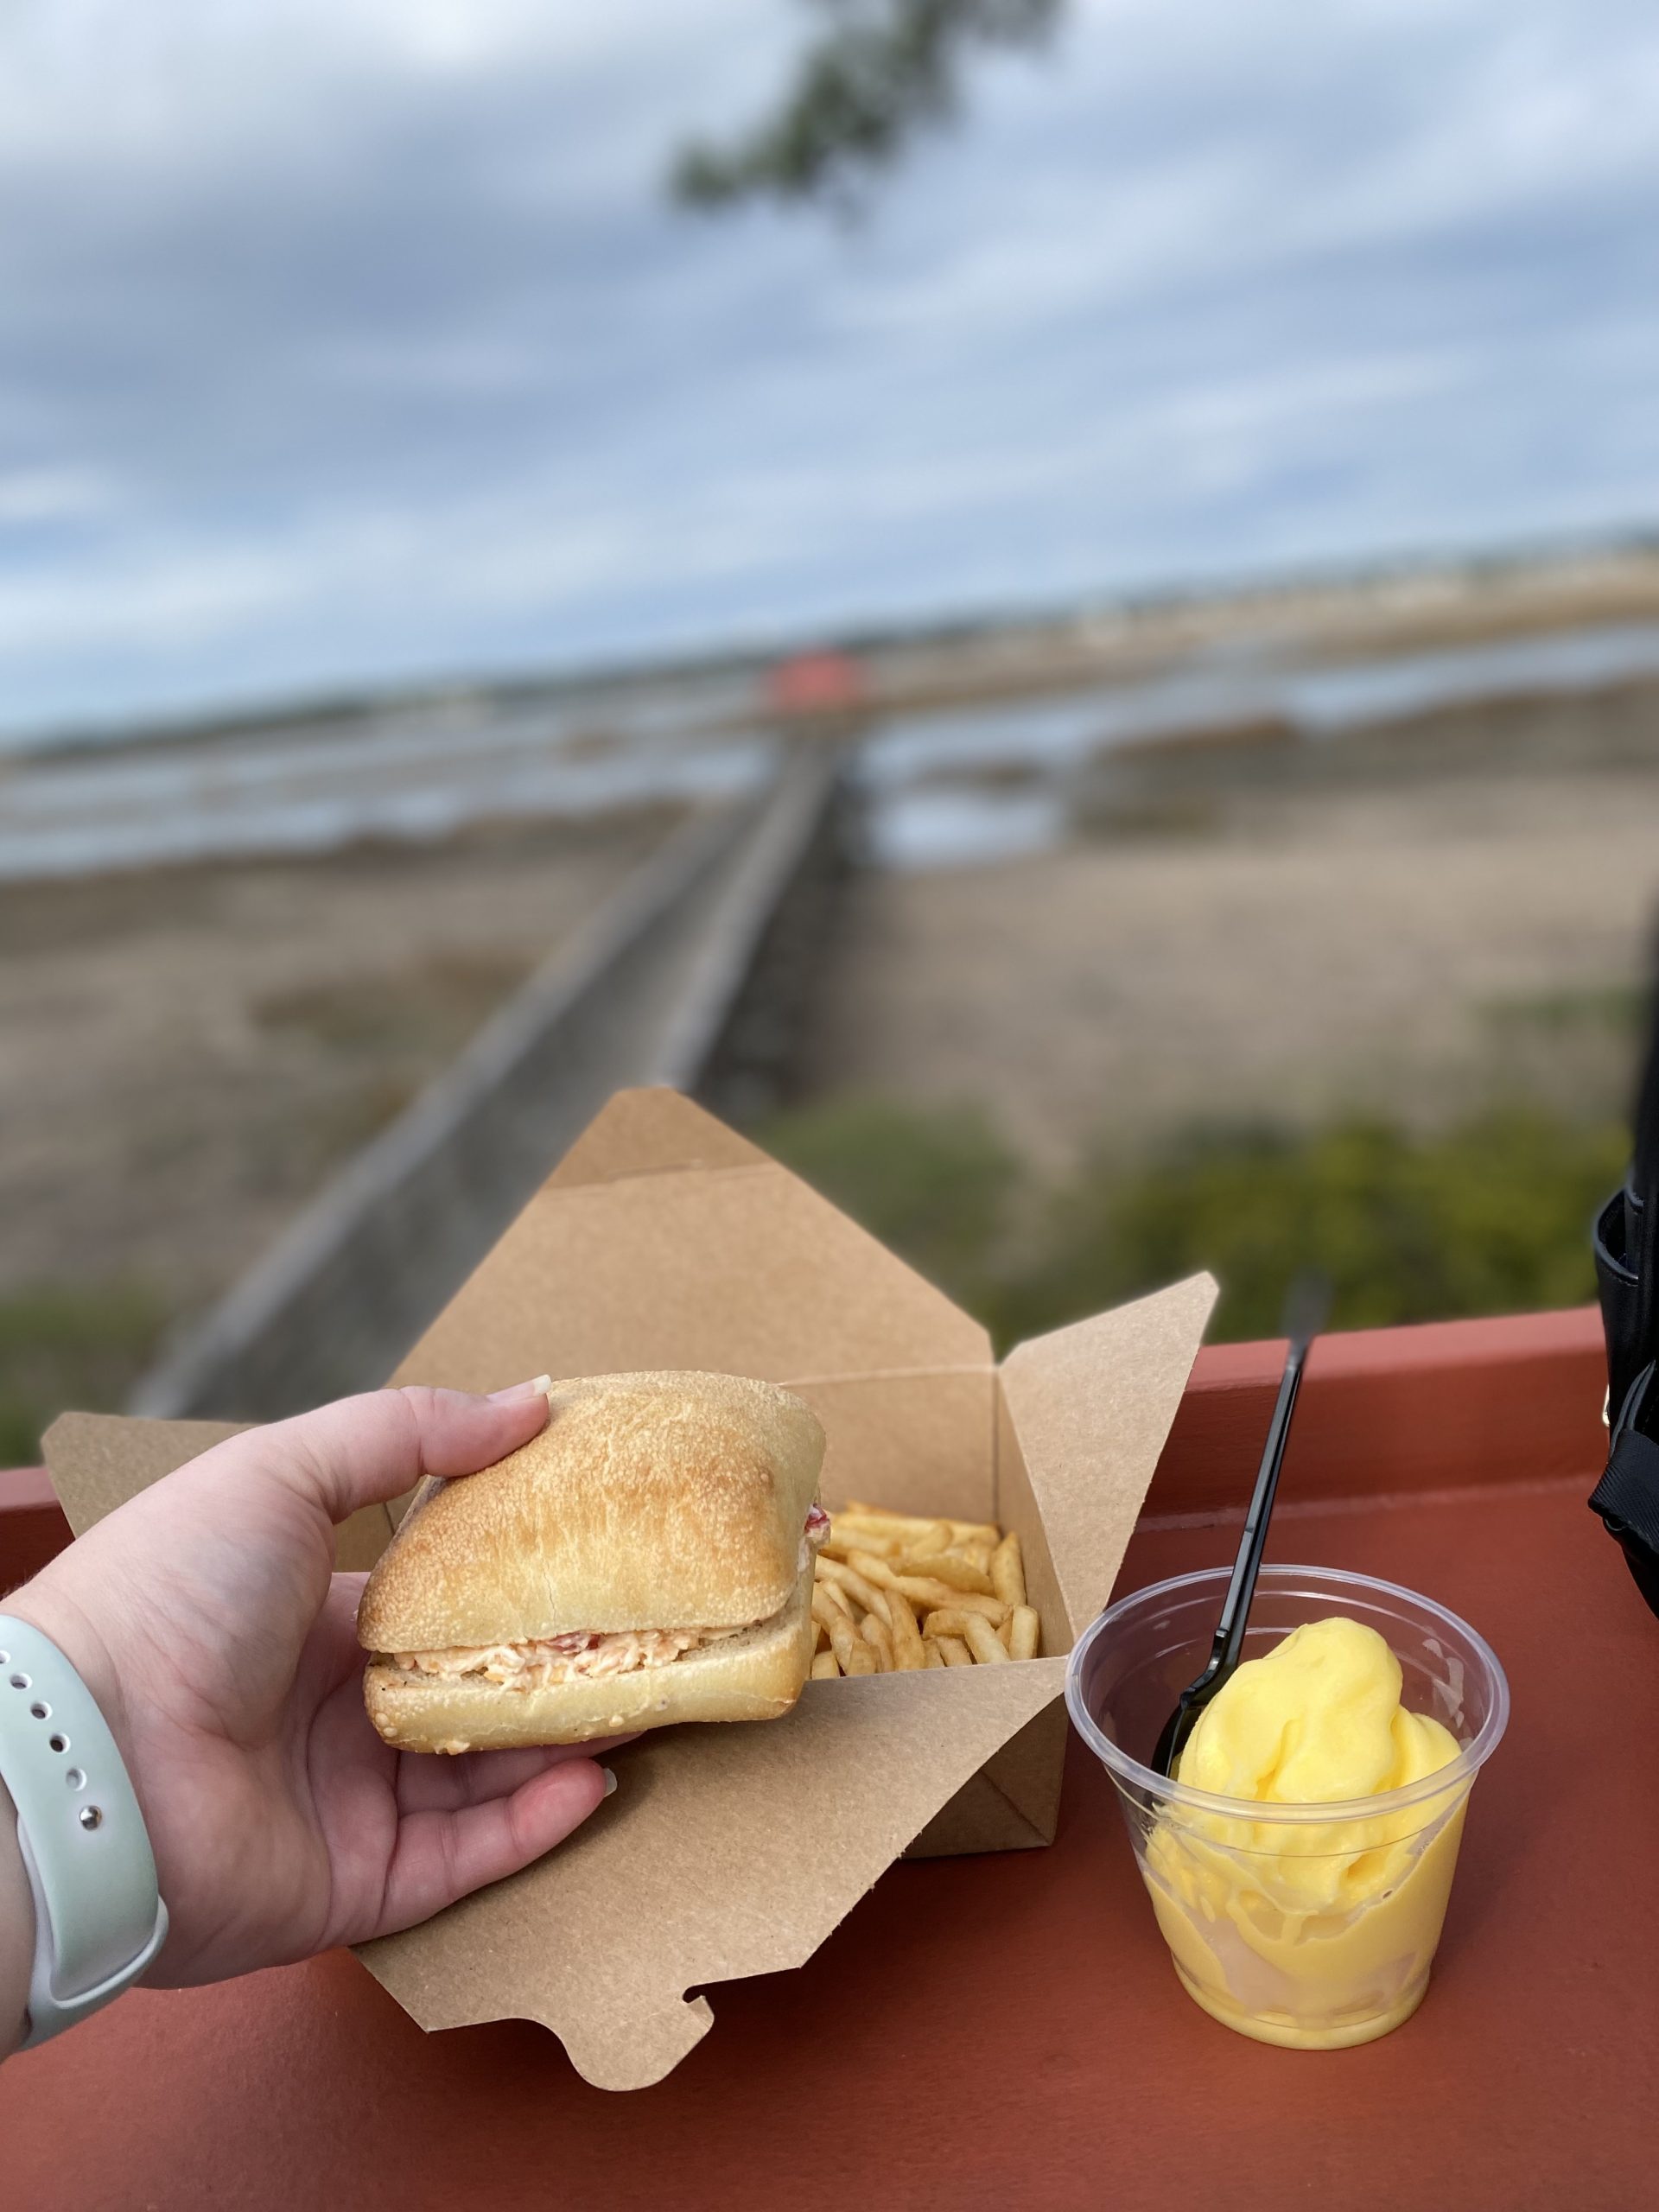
(664, 1240)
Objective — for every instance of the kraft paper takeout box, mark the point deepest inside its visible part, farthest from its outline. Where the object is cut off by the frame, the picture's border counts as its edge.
(664, 1240)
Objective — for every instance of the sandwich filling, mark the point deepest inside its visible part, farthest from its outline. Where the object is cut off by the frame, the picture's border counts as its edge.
(586, 1655)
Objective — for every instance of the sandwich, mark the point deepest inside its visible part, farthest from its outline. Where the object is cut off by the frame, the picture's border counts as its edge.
(647, 1559)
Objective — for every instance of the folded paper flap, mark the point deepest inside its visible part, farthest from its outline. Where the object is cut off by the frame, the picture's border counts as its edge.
(921, 1441)
(1092, 1406)
(649, 1132)
(1026, 1770)
(979, 1818)
(747, 1273)
(98, 1461)
(1013, 1803)
(726, 1851)
(627, 2034)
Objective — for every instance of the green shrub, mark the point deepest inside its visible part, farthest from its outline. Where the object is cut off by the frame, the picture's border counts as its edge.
(1491, 1216)
(937, 1186)
(63, 1344)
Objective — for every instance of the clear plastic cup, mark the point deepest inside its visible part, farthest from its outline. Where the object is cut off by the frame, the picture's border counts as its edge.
(1309, 1926)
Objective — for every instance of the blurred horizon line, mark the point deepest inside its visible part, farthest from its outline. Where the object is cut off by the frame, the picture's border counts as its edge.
(1333, 582)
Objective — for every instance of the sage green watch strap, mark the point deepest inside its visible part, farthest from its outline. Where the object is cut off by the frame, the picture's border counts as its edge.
(99, 1917)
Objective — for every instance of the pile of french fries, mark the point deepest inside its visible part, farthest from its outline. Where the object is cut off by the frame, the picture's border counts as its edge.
(894, 1593)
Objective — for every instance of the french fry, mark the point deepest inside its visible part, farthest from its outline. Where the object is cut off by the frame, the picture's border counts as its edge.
(935, 1537)
(855, 1586)
(853, 1653)
(850, 1535)
(923, 1590)
(820, 1636)
(888, 1539)
(835, 1598)
(920, 1591)
(948, 1567)
(948, 1620)
(1008, 1572)
(883, 1574)
(984, 1642)
(825, 1611)
(974, 1532)
(910, 1531)
(902, 1619)
(916, 1590)
(845, 1537)
(878, 1516)
(915, 1526)
(906, 1637)
(972, 1629)
(825, 1668)
(965, 1580)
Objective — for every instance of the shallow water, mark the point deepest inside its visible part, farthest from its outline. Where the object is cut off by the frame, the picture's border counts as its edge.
(930, 780)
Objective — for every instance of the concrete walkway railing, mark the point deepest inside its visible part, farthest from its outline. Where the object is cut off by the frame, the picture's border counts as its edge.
(689, 975)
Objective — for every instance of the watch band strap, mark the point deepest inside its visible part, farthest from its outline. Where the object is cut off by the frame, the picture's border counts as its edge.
(99, 1917)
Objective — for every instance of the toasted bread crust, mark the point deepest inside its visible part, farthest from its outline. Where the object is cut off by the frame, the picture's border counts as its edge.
(753, 1676)
(649, 1501)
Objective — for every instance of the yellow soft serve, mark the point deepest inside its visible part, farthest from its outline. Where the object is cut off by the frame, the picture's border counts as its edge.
(1316, 1933)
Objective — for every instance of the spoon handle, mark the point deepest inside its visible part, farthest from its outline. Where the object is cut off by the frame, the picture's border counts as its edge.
(1305, 1310)
(1228, 1648)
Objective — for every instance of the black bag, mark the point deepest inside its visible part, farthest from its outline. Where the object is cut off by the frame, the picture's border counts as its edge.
(1627, 1276)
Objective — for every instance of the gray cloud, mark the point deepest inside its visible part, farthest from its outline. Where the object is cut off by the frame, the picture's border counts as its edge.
(361, 345)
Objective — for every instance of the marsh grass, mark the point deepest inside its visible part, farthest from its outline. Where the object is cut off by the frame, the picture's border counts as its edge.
(68, 1345)
(1491, 1215)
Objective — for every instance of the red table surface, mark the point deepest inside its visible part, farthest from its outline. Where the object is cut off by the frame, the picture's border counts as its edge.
(1006, 2031)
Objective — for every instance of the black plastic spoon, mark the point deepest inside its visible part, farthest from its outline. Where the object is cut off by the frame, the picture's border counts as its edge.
(1306, 1305)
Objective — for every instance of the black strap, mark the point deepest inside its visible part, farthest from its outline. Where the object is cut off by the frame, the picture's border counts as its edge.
(1626, 1244)
(1625, 1301)
(1627, 1498)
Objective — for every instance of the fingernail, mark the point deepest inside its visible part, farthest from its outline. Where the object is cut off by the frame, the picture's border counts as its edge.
(537, 1386)
(610, 1780)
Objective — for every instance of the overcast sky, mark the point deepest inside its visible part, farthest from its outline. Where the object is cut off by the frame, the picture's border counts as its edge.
(347, 340)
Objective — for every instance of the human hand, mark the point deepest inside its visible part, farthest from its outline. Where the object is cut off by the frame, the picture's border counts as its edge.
(205, 1617)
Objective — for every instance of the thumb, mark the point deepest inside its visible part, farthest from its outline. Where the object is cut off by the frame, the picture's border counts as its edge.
(362, 1450)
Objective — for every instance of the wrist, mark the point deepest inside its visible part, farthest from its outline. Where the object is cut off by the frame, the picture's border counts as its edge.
(16, 1931)
(45, 1606)
(78, 1878)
